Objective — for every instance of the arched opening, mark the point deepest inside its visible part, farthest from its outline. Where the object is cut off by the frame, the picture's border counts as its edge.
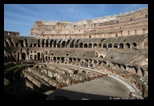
(78, 61)
(55, 42)
(81, 45)
(138, 86)
(116, 35)
(16, 44)
(67, 43)
(127, 45)
(38, 56)
(30, 45)
(89, 36)
(58, 44)
(34, 44)
(31, 57)
(63, 44)
(100, 45)
(62, 59)
(104, 45)
(75, 26)
(124, 67)
(101, 57)
(121, 45)
(142, 72)
(35, 57)
(54, 59)
(23, 56)
(70, 60)
(38, 42)
(85, 45)
(26, 43)
(109, 45)
(49, 59)
(46, 58)
(83, 72)
(76, 43)
(99, 62)
(90, 45)
(21, 43)
(95, 62)
(47, 43)
(58, 58)
(135, 68)
(51, 43)
(119, 66)
(115, 45)
(42, 42)
(82, 63)
(72, 44)
(74, 60)
(95, 45)
(134, 45)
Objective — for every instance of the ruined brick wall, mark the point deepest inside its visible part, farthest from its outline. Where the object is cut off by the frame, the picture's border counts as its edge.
(131, 23)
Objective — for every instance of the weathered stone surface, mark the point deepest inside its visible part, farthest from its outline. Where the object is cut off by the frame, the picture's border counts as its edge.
(66, 53)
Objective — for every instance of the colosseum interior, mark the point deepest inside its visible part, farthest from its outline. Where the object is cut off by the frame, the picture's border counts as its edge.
(104, 57)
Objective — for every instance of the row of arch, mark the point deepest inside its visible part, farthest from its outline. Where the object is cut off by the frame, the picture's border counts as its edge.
(95, 63)
(86, 62)
(71, 44)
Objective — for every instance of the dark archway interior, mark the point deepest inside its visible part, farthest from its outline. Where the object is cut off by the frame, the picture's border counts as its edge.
(23, 56)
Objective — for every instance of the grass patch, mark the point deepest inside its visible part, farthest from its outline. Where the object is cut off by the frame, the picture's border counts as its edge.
(18, 66)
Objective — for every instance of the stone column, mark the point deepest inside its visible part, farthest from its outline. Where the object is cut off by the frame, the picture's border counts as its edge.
(88, 64)
(41, 43)
(139, 72)
(93, 63)
(26, 56)
(20, 55)
(45, 43)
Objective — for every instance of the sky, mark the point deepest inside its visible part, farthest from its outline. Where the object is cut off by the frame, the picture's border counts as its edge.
(21, 17)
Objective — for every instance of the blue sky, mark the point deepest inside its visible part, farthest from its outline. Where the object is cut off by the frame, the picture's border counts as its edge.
(21, 17)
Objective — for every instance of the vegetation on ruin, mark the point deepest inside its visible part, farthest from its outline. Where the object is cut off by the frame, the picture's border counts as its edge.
(14, 68)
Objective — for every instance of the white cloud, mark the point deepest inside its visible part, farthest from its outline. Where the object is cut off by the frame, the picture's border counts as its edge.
(30, 11)
(71, 10)
(18, 15)
(133, 5)
(16, 23)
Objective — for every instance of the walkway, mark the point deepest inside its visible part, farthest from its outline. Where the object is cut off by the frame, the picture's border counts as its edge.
(99, 89)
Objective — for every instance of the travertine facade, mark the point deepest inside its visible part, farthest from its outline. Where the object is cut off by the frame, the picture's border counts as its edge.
(117, 45)
(131, 23)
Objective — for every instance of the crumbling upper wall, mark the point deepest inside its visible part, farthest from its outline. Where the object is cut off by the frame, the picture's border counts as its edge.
(123, 24)
(12, 34)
